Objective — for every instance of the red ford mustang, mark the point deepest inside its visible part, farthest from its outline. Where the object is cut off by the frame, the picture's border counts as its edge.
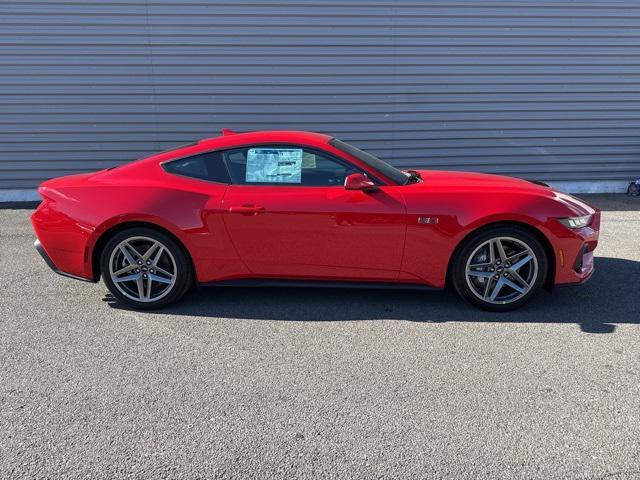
(285, 208)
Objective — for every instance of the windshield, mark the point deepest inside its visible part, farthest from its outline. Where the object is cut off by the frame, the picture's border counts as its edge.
(398, 176)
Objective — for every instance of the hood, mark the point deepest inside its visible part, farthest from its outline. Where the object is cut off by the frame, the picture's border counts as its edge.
(478, 181)
(438, 180)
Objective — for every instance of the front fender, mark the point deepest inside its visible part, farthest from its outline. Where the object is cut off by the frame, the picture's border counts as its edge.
(429, 247)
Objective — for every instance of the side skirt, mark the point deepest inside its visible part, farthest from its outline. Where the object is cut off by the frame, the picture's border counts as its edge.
(269, 282)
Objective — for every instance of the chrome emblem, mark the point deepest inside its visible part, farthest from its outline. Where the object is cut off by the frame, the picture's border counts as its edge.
(427, 220)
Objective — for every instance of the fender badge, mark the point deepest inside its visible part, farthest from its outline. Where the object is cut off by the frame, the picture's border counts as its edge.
(427, 220)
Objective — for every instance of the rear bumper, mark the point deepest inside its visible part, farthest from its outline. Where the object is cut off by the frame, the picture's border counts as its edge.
(62, 241)
(43, 253)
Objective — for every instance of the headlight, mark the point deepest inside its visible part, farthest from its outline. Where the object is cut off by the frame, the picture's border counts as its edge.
(576, 222)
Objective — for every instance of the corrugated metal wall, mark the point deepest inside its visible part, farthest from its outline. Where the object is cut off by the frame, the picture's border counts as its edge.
(538, 89)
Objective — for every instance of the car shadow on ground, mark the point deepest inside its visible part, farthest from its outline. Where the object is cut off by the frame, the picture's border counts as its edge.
(611, 297)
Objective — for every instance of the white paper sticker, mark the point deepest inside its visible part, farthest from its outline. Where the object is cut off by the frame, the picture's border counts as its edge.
(308, 160)
(274, 165)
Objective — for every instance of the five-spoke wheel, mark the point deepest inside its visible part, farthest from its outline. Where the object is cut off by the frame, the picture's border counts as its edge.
(142, 269)
(499, 268)
(145, 268)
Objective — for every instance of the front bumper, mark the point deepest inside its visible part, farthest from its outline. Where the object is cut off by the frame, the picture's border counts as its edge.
(575, 253)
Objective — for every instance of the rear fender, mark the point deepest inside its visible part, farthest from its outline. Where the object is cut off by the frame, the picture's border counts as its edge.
(104, 231)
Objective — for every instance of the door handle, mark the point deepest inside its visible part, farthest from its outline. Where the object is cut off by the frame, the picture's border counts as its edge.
(247, 209)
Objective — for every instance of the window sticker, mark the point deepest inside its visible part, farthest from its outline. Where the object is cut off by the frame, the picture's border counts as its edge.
(308, 160)
(274, 165)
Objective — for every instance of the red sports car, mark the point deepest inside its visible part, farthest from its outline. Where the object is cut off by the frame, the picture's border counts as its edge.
(300, 208)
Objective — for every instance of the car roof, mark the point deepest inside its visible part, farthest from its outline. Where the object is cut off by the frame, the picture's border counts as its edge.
(230, 138)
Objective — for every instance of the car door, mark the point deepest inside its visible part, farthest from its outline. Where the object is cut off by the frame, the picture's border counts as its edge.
(289, 215)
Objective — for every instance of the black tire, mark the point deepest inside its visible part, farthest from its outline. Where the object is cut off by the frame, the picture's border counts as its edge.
(470, 289)
(175, 264)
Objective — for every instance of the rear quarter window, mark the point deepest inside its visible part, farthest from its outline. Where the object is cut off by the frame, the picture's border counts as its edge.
(205, 166)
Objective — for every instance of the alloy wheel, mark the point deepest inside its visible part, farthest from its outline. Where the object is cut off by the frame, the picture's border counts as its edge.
(501, 270)
(142, 269)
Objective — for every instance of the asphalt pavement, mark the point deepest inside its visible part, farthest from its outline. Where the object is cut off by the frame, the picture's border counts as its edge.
(294, 383)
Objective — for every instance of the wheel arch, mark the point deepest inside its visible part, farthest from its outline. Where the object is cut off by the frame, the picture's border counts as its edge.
(105, 236)
(537, 233)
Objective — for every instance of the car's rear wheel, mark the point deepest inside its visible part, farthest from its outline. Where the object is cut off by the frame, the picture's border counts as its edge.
(145, 268)
(499, 268)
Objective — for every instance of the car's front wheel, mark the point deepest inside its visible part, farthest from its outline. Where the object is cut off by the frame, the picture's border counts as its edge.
(145, 268)
(499, 268)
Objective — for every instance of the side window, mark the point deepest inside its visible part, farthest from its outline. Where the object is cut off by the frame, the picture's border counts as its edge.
(284, 165)
(206, 166)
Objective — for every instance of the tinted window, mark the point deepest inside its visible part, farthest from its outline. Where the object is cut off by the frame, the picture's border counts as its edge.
(206, 166)
(384, 168)
(288, 165)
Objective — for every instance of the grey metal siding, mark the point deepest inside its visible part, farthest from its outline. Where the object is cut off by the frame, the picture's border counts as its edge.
(537, 89)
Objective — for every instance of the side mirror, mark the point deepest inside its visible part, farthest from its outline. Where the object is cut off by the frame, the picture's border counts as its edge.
(359, 181)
